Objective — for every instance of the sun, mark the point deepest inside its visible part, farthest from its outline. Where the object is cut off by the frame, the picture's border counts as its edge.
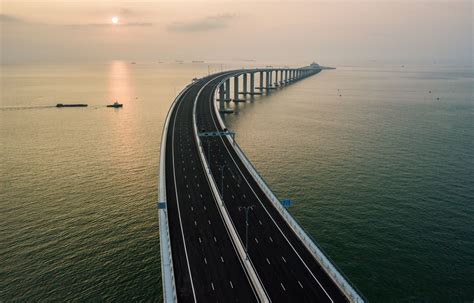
(115, 20)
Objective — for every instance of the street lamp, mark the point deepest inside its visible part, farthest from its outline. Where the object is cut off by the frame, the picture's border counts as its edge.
(246, 208)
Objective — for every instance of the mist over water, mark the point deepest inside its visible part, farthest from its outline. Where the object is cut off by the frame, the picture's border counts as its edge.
(379, 169)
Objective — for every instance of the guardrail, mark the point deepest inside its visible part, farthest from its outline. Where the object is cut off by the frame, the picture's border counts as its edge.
(167, 272)
(330, 268)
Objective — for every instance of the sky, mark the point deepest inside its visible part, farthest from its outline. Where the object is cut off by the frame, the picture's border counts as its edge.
(330, 32)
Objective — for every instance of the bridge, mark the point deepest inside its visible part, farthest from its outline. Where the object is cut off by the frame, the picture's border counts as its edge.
(224, 235)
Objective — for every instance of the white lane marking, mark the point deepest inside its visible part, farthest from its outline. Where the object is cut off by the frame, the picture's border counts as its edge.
(205, 260)
(256, 240)
(215, 239)
(284, 260)
(212, 285)
(283, 286)
(195, 223)
(200, 241)
(260, 222)
(222, 259)
(270, 238)
(192, 208)
(209, 221)
(266, 210)
(231, 285)
(268, 261)
(301, 285)
(177, 201)
(205, 207)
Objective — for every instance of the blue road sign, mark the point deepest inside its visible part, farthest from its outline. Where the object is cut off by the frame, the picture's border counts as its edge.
(286, 202)
(161, 205)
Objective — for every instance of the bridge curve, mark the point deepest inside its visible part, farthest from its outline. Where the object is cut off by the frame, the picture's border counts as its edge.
(223, 233)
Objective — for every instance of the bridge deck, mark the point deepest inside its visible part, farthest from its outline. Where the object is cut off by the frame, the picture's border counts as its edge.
(206, 264)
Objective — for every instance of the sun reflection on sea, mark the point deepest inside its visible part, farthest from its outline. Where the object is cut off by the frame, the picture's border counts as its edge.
(120, 88)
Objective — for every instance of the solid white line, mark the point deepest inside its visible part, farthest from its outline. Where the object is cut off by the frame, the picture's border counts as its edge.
(177, 200)
(255, 194)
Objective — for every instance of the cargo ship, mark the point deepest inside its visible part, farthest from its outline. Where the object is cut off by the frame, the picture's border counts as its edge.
(115, 105)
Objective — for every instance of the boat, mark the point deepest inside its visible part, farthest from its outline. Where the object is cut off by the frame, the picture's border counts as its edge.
(115, 105)
(70, 105)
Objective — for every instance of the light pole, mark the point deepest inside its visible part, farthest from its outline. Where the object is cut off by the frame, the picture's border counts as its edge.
(246, 209)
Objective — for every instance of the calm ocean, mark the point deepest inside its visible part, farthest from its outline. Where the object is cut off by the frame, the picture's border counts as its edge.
(378, 161)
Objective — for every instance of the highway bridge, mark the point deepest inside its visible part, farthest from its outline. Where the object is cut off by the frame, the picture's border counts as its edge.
(224, 235)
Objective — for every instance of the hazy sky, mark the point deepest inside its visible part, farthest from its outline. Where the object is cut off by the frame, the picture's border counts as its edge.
(330, 32)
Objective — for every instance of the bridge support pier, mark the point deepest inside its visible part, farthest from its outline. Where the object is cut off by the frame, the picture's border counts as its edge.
(252, 83)
(236, 90)
(267, 80)
(244, 86)
(221, 97)
(227, 90)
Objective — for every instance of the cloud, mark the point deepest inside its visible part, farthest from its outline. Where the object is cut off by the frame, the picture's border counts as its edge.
(15, 20)
(206, 24)
(10, 19)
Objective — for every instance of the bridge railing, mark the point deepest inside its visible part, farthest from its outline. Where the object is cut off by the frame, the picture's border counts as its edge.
(327, 264)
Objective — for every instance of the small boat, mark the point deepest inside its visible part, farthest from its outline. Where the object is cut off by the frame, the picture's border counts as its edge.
(70, 105)
(115, 105)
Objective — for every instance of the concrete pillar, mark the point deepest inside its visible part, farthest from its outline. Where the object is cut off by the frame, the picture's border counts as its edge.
(261, 81)
(236, 87)
(286, 76)
(227, 89)
(252, 84)
(221, 97)
(267, 80)
(244, 86)
(276, 78)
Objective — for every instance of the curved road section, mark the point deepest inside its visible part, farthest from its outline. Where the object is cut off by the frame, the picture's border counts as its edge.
(207, 187)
